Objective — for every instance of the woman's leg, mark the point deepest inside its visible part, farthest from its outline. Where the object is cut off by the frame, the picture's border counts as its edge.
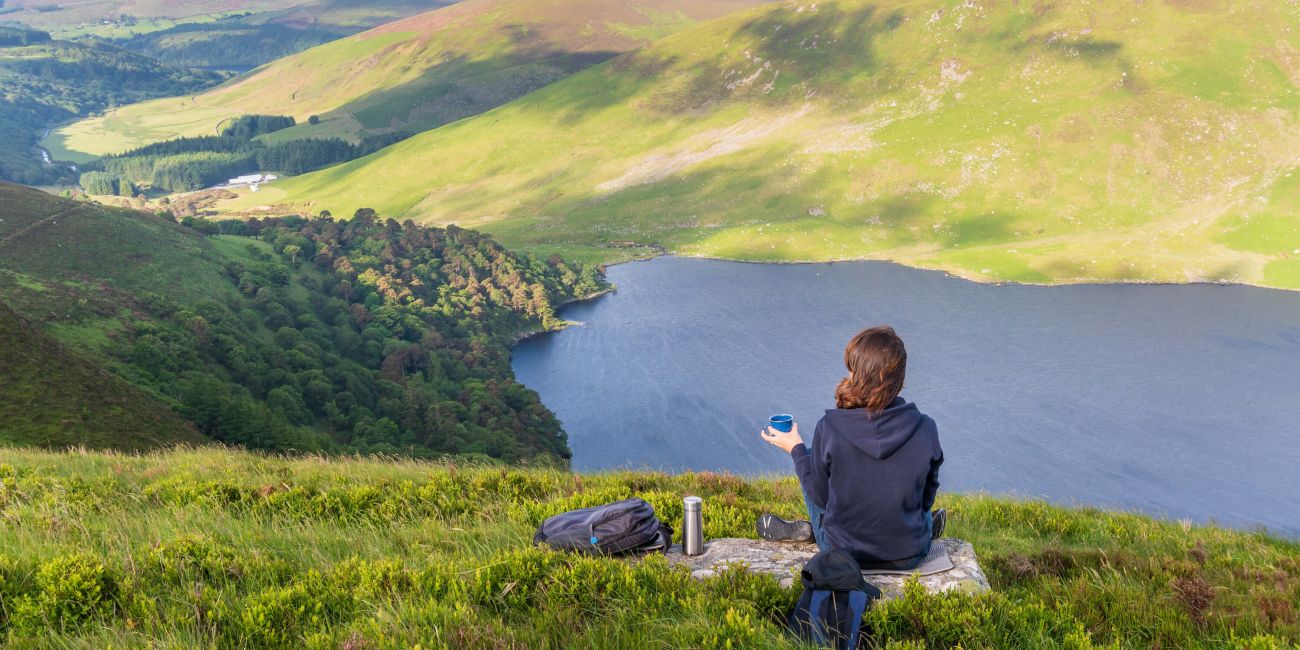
(815, 515)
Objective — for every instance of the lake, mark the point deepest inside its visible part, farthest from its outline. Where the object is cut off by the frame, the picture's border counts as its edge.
(1181, 401)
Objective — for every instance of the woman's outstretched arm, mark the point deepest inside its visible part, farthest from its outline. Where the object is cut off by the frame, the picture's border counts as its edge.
(814, 468)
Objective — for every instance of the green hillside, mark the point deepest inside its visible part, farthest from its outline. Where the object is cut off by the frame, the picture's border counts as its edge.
(45, 81)
(1059, 142)
(359, 336)
(409, 75)
(220, 549)
(54, 397)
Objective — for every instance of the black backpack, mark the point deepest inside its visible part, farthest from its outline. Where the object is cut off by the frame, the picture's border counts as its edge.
(627, 526)
(834, 598)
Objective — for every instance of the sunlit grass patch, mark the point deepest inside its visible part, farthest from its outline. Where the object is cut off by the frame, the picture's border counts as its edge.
(1283, 273)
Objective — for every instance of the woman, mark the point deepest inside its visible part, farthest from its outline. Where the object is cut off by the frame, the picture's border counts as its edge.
(870, 479)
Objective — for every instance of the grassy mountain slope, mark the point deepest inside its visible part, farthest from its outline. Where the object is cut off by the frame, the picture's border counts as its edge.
(410, 75)
(1058, 142)
(79, 267)
(213, 548)
(54, 397)
(364, 336)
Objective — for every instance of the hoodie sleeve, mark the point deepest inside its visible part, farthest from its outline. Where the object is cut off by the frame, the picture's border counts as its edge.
(814, 468)
(932, 479)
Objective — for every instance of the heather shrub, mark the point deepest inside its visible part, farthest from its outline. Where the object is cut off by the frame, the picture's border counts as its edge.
(68, 591)
(190, 558)
(282, 616)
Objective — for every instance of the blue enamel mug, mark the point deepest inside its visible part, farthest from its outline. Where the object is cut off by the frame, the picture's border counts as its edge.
(783, 422)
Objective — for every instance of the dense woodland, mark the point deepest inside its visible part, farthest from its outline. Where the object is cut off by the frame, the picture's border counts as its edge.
(248, 126)
(361, 335)
(44, 82)
(187, 164)
(108, 184)
(18, 36)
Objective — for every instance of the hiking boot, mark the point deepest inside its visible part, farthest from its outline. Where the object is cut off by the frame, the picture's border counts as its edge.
(775, 529)
(940, 519)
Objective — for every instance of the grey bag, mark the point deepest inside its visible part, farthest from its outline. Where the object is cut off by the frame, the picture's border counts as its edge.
(627, 526)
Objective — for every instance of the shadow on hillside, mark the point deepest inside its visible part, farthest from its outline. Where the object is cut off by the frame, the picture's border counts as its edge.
(812, 48)
(779, 57)
(651, 213)
(461, 86)
(724, 203)
(810, 41)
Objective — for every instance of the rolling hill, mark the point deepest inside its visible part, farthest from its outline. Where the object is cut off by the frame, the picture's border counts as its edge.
(54, 397)
(279, 334)
(1058, 142)
(409, 75)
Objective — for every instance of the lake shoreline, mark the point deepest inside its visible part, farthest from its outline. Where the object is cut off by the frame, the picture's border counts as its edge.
(958, 276)
(520, 337)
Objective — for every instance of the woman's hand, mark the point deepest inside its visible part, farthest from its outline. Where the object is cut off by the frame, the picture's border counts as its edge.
(785, 440)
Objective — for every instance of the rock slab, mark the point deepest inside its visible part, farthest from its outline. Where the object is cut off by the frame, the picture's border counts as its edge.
(785, 559)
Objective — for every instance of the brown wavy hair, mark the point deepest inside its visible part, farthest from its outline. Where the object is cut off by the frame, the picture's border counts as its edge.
(877, 363)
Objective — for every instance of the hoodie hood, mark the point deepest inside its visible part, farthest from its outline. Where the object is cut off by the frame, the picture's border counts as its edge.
(879, 436)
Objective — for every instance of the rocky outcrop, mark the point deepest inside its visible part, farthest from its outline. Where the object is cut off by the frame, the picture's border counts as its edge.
(785, 559)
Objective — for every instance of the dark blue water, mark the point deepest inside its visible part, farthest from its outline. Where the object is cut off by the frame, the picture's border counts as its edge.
(1182, 401)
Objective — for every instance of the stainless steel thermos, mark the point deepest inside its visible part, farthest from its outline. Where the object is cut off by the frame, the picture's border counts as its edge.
(692, 526)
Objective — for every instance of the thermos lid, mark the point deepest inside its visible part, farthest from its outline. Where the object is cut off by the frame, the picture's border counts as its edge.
(692, 503)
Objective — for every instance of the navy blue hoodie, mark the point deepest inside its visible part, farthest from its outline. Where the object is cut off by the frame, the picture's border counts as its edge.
(876, 477)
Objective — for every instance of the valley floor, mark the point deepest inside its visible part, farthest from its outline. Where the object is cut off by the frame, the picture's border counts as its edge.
(212, 547)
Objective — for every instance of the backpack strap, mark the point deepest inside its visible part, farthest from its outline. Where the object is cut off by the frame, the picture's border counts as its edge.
(819, 598)
(858, 605)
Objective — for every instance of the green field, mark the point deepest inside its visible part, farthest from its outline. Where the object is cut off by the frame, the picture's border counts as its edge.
(409, 75)
(1061, 143)
(224, 549)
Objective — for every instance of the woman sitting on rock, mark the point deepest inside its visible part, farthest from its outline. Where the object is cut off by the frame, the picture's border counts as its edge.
(870, 479)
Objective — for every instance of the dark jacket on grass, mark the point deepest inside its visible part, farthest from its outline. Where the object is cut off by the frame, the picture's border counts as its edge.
(876, 477)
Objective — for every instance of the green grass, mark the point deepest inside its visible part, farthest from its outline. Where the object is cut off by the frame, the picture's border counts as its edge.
(119, 131)
(220, 548)
(410, 75)
(1008, 143)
